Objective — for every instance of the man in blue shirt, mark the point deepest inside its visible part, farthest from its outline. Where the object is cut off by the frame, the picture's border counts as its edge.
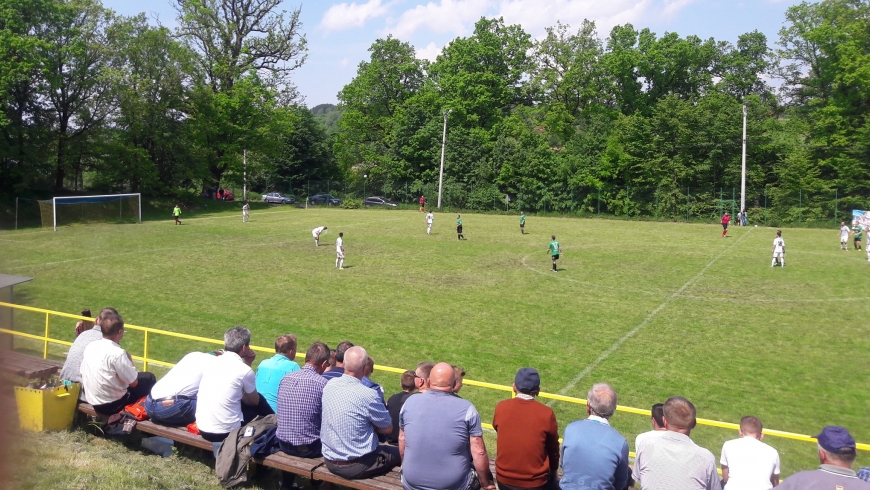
(353, 416)
(337, 370)
(441, 439)
(272, 370)
(595, 455)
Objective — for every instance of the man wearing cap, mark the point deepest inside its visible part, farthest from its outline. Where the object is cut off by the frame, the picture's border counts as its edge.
(441, 439)
(836, 454)
(527, 454)
(594, 454)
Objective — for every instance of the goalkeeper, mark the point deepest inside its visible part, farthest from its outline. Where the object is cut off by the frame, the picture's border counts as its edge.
(176, 213)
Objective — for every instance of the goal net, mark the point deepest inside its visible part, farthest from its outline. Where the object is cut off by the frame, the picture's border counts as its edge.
(114, 208)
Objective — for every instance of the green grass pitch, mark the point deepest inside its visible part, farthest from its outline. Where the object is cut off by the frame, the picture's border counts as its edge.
(655, 309)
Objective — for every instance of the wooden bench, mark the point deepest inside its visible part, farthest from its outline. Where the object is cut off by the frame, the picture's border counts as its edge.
(27, 366)
(312, 469)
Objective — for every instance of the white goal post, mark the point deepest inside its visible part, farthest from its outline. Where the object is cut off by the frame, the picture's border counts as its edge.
(100, 208)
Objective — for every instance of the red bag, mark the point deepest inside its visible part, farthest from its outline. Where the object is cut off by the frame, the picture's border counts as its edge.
(192, 428)
(137, 410)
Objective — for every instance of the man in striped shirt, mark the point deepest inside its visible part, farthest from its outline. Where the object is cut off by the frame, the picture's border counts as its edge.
(672, 461)
(353, 416)
(299, 411)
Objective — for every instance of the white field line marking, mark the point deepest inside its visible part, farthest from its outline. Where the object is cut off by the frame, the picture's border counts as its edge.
(585, 283)
(646, 320)
(758, 300)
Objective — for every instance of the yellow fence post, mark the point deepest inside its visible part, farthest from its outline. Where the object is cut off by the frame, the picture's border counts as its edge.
(145, 354)
(45, 341)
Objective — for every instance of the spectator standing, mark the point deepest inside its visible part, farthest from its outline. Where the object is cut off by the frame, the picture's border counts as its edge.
(672, 461)
(353, 416)
(337, 370)
(658, 425)
(228, 395)
(299, 410)
(397, 401)
(172, 400)
(594, 454)
(748, 463)
(83, 325)
(108, 376)
(272, 370)
(72, 366)
(441, 439)
(837, 452)
(527, 441)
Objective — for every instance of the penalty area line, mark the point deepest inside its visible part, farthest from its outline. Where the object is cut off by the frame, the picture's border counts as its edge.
(616, 345)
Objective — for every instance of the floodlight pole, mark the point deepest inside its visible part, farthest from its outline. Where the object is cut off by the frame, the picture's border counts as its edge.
(445, 112)
(743, 165)
(245, 175)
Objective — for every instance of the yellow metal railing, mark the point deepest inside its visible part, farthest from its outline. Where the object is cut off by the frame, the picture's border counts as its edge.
(148, 332)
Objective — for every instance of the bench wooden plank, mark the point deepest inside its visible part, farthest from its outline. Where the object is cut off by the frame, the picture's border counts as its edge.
(27, 366)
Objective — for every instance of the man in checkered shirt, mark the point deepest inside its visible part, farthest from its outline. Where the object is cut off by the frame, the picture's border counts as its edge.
(353, 416)
(672, 461)
(299, 412)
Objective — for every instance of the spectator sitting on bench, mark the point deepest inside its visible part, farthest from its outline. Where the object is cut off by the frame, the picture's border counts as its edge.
(370, 368)
(337, 370)
(299, 410)
(353, 415)
(272, 370)
(397, 401)
(108, 376)
(83, 325)
(72, 367)
(228, 395)
(172, 400)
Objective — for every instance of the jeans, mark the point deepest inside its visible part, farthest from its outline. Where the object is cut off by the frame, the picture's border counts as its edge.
(181, 411)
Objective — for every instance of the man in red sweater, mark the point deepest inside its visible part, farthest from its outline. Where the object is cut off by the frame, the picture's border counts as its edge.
(528, 438)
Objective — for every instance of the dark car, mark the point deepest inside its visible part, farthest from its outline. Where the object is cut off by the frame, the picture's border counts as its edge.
(277, 197)
(324, 199)
(378, 201)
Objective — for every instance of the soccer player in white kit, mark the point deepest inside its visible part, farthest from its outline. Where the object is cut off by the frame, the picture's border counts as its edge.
(339, 251)
(429, 219)
(316, 233)
(778, 250)
(844, 235)
(246, 213)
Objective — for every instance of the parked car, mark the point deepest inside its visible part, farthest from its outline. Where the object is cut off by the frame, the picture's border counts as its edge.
(378, 201)
(278, 198)
(324, 199)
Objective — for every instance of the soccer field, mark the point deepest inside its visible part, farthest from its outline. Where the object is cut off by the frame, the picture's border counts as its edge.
(654, 309)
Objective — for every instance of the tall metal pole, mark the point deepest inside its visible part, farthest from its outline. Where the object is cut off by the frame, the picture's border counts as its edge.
(443, 145)
(245, 175)
(743, 166)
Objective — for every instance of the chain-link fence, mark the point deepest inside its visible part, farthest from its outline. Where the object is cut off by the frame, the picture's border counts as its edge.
(769, 206)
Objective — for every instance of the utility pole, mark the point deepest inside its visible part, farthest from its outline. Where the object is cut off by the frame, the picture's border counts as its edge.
(245, 175)
(743, 165)
(445, 112)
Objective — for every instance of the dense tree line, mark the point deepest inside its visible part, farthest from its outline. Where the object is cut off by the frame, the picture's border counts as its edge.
(568, 122)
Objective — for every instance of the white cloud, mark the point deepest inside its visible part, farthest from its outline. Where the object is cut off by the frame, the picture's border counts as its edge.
(344, 62)
(454, 16)
(430, 52)
(343, 15)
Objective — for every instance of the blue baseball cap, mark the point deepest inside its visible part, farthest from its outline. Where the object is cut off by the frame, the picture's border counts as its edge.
(836, 439)
(527, 379)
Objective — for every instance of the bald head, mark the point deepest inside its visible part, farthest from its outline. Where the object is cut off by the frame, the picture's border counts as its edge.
(442, 377)
(355, 360)
(679, 414)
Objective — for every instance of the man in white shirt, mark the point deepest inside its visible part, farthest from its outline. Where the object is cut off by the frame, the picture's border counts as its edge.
(246, 213)
(778, 250)
(108, 376)
(316, 234)
(228, 396)
(672, 461)
(339, 251)
(172, 400)
(844, 235)
(658, 425)
(429, 219)
(747, 463)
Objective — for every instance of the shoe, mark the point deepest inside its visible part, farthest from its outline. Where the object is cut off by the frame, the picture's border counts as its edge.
(341, 268)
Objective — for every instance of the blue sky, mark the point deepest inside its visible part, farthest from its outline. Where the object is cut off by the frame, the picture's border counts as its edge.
(339, 33)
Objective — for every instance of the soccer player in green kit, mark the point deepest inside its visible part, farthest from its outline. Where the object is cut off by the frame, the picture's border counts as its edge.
(857, 235)
(459, 235)
(554, 250)
(176, 213)
(522, 223)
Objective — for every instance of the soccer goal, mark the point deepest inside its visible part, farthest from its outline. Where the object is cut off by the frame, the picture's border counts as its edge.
(112, 208)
